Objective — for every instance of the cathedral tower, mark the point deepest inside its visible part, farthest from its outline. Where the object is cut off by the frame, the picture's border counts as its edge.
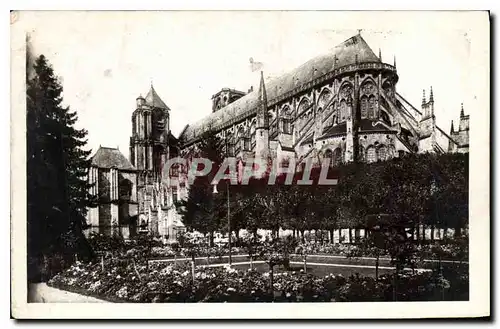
(149, 150)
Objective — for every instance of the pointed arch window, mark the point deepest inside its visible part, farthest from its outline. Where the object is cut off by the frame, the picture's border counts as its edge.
(229, 144)
(337, 157)
(174, 195)
(240, 142)
(361, 153)
(371, 154)
(343, 111)
(364, 107)
(328, 157)
(382, 153)
(371, 107)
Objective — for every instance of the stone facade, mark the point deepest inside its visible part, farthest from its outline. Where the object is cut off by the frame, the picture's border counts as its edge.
(115, 185)
(334, 108)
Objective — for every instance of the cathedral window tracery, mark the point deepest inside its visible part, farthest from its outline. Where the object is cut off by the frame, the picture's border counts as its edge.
(364, 107)
(382, 153)
(371, 154)
(337, 157)
(343, 111)
(371, 107)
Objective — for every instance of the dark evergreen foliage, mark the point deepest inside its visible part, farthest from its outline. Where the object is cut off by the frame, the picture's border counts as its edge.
(57, 187)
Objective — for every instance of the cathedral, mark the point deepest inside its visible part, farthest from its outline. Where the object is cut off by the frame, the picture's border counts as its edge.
(338, 107)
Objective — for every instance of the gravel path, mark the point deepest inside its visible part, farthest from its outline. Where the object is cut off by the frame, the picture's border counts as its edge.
(41, 293)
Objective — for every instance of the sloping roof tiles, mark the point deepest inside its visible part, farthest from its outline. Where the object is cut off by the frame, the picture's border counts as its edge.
(354, 49)
(153, 100)
(107, 157)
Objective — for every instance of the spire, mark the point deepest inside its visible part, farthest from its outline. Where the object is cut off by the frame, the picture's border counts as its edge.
(380, 54)
(423, 97)
(462, 111)
(452, 129)
(262, 89)
(431, 97)
(262, 117)
(394, 60)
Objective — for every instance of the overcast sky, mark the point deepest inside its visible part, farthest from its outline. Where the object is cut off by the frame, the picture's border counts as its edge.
(106, 59)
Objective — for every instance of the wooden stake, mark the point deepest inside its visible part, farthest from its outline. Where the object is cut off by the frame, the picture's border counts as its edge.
(192, 270)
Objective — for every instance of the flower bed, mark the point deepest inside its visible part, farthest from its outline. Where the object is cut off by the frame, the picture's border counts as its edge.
(124, 281)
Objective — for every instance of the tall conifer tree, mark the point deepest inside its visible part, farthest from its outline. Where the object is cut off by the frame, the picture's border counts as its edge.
(57, 165)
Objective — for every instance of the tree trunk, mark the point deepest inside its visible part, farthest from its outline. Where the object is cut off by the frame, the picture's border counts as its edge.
(376, 267)
(237, 237)
(350, 235)
(302, 236)
(305, 263)
(331, 236)
(432, 233)
(211, 237)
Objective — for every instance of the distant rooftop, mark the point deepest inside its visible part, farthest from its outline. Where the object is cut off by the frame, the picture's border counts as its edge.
(108, 157)
(353, 50)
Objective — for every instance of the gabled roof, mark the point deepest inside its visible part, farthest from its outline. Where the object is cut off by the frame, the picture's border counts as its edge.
(344, 54)
(107, 157)
(152, 99)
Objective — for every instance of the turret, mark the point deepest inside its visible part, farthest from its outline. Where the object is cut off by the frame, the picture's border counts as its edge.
(140, 101)
(464, 120)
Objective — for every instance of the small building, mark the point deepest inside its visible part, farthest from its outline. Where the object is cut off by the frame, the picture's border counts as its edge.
(115, 185)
